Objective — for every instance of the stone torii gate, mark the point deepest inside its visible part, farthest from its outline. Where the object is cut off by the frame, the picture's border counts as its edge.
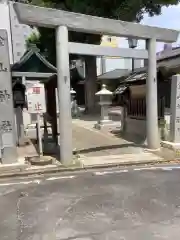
(64, 21)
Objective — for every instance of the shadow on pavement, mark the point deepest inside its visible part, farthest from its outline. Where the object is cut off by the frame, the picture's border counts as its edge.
(134, 138)
(109, 147)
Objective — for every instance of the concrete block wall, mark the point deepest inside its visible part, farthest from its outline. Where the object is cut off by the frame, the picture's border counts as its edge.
(136, 127)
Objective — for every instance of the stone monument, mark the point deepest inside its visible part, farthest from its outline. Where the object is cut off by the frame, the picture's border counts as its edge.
(174, 135)
(7, 117)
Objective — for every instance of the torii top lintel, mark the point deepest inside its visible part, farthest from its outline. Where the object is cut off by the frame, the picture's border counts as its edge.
(51, 18)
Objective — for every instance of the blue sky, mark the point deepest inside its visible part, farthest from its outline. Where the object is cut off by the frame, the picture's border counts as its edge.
(170, 18)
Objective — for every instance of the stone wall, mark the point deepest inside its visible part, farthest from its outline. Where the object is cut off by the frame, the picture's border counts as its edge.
(136, 127)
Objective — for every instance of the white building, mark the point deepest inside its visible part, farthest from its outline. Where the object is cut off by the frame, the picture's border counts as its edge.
(112, 63)
(17, 33)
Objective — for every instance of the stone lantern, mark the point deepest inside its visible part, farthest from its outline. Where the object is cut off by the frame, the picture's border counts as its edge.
(74, 106)
(73, 94)
(105, 99)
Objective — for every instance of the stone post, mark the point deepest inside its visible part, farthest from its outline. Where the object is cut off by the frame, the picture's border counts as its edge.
(146, 60)
(7, 117)
(63, 76)
(19, 111)
(151, 100)
(20, 126)
(175, 110)
(103, 64)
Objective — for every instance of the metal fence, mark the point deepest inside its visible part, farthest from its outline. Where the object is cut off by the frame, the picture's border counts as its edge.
(136, 108)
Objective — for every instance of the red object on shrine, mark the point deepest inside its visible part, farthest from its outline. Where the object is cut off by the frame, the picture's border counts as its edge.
(36, 90)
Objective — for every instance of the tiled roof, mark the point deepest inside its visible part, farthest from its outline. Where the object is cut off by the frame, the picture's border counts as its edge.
(27, 55)
(115, 74)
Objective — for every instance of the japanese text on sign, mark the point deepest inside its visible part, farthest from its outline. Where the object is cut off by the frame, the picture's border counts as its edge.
(2, 41)
(5, 126)
(38, 107)
(4, 96)
(36, 99)
(36, 90)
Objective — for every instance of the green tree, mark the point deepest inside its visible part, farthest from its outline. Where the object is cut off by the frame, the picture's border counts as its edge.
(127, 10)
(34, 38)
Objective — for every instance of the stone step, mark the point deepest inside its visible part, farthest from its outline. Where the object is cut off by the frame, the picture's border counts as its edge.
(120, 159)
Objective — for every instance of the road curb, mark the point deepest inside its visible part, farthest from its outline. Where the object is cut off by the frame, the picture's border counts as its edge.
(59, 169)
(18, 167)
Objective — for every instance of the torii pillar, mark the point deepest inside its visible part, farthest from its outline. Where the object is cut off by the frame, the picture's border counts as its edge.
(63, 80)
(153, 141)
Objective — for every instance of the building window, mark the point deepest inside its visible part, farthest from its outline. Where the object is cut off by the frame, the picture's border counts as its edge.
(109, 39)
(18, 54)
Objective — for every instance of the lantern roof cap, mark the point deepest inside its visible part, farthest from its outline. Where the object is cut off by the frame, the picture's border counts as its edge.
(72, 91)
(103, 91)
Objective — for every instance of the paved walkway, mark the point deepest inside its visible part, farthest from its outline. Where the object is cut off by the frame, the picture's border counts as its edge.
(91, 142)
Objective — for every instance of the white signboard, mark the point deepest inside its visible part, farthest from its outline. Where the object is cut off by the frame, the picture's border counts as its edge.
(36, 98)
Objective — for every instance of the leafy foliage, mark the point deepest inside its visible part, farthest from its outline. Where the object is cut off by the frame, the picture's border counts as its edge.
(34, 38)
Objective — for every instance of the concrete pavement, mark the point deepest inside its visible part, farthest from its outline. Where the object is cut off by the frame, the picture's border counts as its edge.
(91, 142)
(129, 203)
(102, 147)
(93, 149)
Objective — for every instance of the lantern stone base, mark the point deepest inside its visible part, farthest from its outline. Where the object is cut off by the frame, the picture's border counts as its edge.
(174, 147)
(107, 124)
(170, 145)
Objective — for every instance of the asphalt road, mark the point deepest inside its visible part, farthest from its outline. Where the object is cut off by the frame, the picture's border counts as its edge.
(129, 204)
